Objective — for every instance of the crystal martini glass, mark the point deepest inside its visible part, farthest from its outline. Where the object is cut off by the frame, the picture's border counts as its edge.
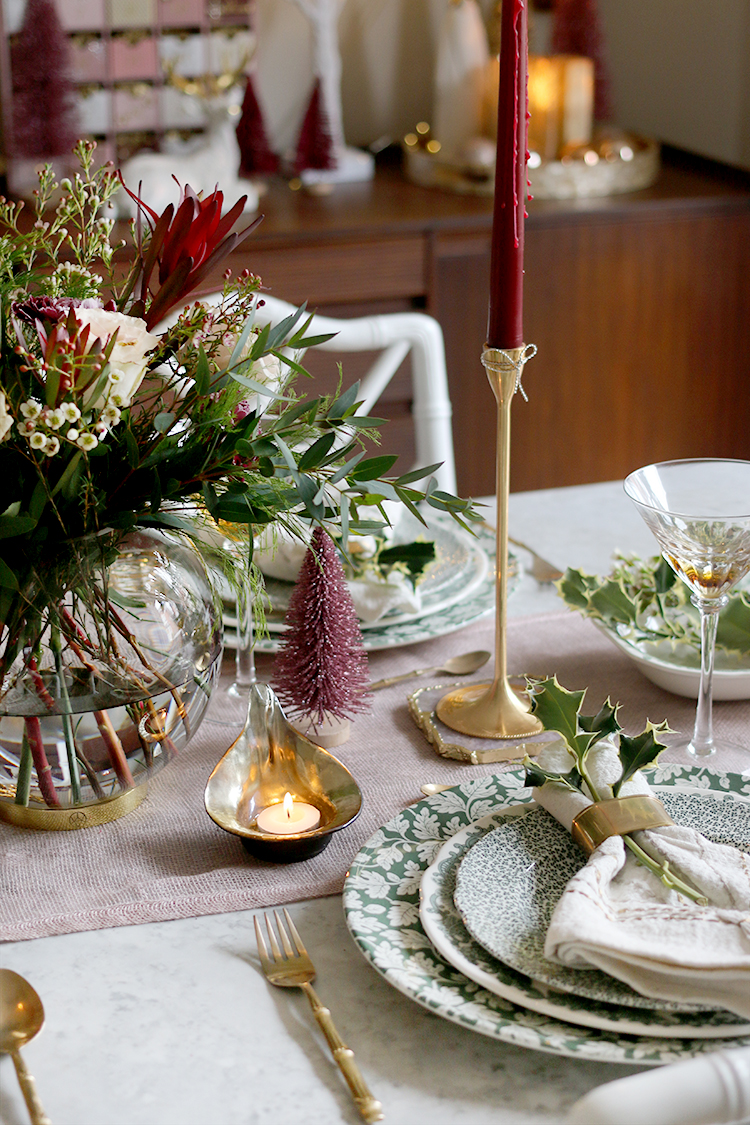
(699, 511)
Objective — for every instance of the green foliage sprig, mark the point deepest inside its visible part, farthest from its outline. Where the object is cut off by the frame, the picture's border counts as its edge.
(560, 710)
(643, 601)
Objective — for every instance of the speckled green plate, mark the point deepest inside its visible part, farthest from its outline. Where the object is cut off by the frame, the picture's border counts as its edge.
(381, 902)
(493, 930)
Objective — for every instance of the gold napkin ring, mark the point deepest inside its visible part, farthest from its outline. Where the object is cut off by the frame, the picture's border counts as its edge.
(617, 817)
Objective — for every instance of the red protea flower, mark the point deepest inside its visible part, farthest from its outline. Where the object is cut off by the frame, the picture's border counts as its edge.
(44, 308)
(186, 243)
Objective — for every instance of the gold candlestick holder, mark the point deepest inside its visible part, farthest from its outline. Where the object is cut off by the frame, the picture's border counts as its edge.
(495, 710)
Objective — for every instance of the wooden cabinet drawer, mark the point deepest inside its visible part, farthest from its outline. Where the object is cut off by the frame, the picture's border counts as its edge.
(348, 272)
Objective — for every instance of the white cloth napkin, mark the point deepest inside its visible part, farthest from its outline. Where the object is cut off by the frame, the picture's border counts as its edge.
(618, 916)
(710, 1090)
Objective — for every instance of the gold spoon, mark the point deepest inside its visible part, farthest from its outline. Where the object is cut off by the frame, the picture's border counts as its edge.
(21, 1017)
(455, 666)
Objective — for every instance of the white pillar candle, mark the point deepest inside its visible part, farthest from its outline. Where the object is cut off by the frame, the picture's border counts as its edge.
(288, 816)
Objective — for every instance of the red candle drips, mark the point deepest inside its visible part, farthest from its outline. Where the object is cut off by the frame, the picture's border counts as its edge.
(505, 328)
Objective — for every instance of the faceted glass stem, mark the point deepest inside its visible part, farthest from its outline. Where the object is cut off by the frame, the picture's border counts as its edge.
(244, 658)
(702, 743)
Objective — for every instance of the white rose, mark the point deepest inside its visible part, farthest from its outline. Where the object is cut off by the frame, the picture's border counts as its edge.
(128, 359)
(266, 370)
(6, 418)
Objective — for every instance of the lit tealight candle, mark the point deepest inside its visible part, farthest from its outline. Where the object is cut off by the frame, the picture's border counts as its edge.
(289, 816)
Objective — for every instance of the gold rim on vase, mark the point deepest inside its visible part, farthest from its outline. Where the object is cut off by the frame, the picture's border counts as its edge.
(76, 816)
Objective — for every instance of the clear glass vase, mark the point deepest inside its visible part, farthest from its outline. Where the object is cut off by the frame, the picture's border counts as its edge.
(108, 659)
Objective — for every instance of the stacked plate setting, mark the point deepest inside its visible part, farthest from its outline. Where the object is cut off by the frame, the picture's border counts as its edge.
(457, 589)
(451, 900)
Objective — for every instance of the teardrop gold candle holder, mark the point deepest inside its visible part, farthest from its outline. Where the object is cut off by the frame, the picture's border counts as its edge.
(495, 710)
(267, 760)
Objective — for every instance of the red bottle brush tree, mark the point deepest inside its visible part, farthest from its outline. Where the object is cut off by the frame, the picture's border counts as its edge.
(315, 144)
(321, 668)
(577, 30)
(256, 157)
(43, 97)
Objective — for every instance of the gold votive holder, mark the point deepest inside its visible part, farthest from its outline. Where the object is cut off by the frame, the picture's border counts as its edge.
(268, 760)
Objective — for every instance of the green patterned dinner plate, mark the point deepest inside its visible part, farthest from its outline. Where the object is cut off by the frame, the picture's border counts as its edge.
(381, 902)
(459, 590)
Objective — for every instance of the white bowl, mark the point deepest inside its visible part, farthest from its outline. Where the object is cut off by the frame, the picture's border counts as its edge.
(728, 683)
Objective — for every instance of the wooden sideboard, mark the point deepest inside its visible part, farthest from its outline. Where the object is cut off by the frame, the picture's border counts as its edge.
(639, 305)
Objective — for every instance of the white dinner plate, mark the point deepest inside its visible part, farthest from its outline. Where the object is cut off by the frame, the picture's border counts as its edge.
(381, 902)
(593, 999)
(458, 589)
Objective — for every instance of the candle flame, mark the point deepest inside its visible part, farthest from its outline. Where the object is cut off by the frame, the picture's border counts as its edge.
(288, 802)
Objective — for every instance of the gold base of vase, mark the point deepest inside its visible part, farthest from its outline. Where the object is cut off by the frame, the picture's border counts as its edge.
(76, 816)
(488, 711)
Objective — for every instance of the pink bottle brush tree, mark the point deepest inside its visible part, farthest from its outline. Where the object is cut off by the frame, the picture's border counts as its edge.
(321, 669)
(44, 118)
(256, 156)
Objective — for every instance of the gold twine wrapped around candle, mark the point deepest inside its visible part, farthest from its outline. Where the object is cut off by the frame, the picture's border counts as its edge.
(617, 817)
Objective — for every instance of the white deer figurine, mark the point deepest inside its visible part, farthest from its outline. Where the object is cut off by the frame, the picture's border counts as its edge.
(211, 161)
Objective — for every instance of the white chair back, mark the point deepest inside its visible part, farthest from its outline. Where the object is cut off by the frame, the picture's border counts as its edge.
(394, 335)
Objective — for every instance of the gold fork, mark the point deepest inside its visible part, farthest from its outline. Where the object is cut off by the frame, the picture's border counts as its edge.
(544, 572)
(294, 969)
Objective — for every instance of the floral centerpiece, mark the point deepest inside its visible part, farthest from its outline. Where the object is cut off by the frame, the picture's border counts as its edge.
(121, 432)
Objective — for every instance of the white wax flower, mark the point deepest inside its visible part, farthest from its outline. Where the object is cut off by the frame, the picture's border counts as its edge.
(31, 409)
(6, 418)
(37, 440)
(55, 419)
(70, 411)
(87, 442)
(52, 446)
(128, 361)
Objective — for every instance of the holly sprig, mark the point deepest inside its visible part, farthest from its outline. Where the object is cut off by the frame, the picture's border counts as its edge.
(560, 710)
(643, 601)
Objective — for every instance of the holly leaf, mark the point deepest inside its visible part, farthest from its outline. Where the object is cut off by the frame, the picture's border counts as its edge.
(612, 604)
(733, 630)
(575, 588)
(664, 577)
(639, 753)
(415, 555)
(536, 777)
(557, 709)
(602, 724)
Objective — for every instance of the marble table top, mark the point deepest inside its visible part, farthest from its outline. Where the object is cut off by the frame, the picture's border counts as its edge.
(172, 1023)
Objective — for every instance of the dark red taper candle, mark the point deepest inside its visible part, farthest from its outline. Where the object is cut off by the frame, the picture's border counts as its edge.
(505, 328)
